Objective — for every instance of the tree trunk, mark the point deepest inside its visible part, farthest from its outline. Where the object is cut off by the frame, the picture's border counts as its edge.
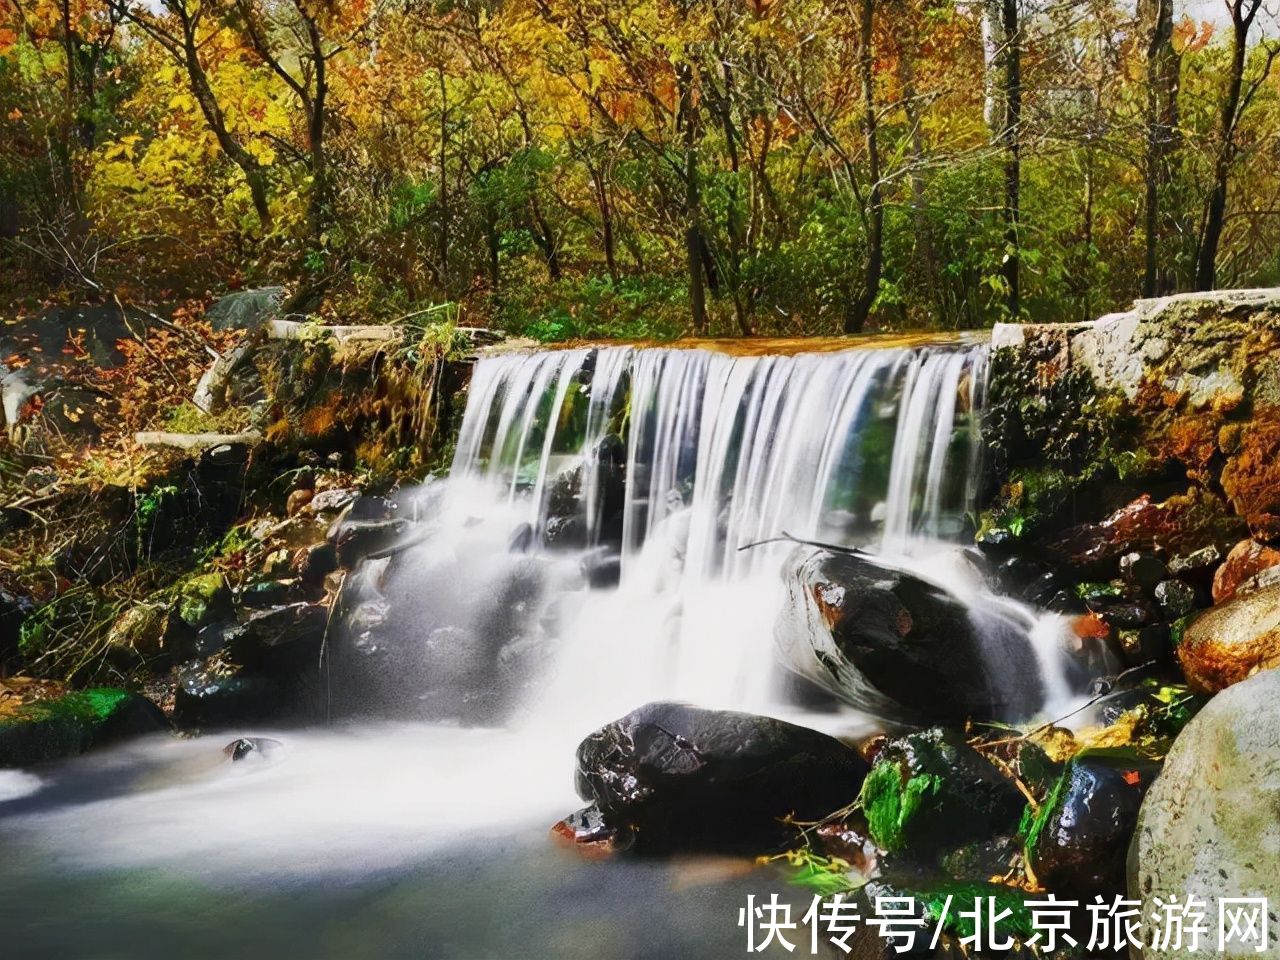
(1216, 209)
(1163, 65)
(856, 318)
(693, 241)
(442, 239)
(928, 255)
(1012, 141)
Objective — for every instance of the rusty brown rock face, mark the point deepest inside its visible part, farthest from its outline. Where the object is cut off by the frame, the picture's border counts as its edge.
(1232, 641)
(1247, 559)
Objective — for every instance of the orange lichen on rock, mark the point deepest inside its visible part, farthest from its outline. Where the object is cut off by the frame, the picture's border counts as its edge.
(1247, 559)
(1251, 477)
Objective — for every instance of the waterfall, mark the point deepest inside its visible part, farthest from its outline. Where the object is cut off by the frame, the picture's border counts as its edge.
(676, 477)
(870, 446)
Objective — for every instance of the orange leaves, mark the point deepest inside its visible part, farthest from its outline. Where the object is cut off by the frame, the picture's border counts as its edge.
(1190, 37)
(8, 40)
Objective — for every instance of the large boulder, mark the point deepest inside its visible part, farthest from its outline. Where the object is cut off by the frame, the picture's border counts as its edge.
(680, 777)
(71, 724)
(1209, 826)
(932, 790)
(1076, 840)
(898, 646)
(1228, 643)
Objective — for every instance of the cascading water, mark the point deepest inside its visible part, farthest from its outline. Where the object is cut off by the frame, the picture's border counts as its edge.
(695, 467)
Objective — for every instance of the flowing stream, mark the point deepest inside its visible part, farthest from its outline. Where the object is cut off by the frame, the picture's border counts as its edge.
(635, 497)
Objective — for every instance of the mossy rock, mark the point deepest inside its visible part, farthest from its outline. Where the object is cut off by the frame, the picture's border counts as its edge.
(931, 790)
(140, 631)
(69, 725)
(1076, 841)
(201, 598)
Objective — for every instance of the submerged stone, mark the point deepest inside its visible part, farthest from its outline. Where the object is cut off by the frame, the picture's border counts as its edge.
(71, 724)
(932, 790)
(257, 748)
(588, 832)
(685, 778)
(1076, 841)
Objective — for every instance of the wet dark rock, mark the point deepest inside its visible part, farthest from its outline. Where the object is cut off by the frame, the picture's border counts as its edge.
(1035, 767)
(685, 778)
(316, 562)
(252, 748)
(1144, 645)
(1042, 589)
(901, 647)
(234, 456)
(1181, 524)
(219, 698)
(1126, 615)
(357, 539)
(1197, 564)
(932, 790)
(1229, 642)
(602, 569)
(266, 593)
(1076, 841)
(1175, 598)
(1142, 570)
(565, 533)
(280, 639)
(69, 725)
(369, 507)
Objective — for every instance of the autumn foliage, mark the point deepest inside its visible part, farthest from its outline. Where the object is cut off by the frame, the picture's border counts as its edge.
(642, 168)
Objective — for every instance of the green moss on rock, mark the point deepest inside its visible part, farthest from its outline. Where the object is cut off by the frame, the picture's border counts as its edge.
(932, 790)
(71, 724)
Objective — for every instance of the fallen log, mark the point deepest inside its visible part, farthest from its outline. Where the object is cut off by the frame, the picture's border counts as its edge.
(194, 441)
(211, 391)
(299, 330)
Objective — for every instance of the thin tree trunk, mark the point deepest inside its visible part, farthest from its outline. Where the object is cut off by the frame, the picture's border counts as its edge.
(692, 201)
(856, 319)
(1162, 105)
(1012, 139)
(443, 238)
(1216, 209)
